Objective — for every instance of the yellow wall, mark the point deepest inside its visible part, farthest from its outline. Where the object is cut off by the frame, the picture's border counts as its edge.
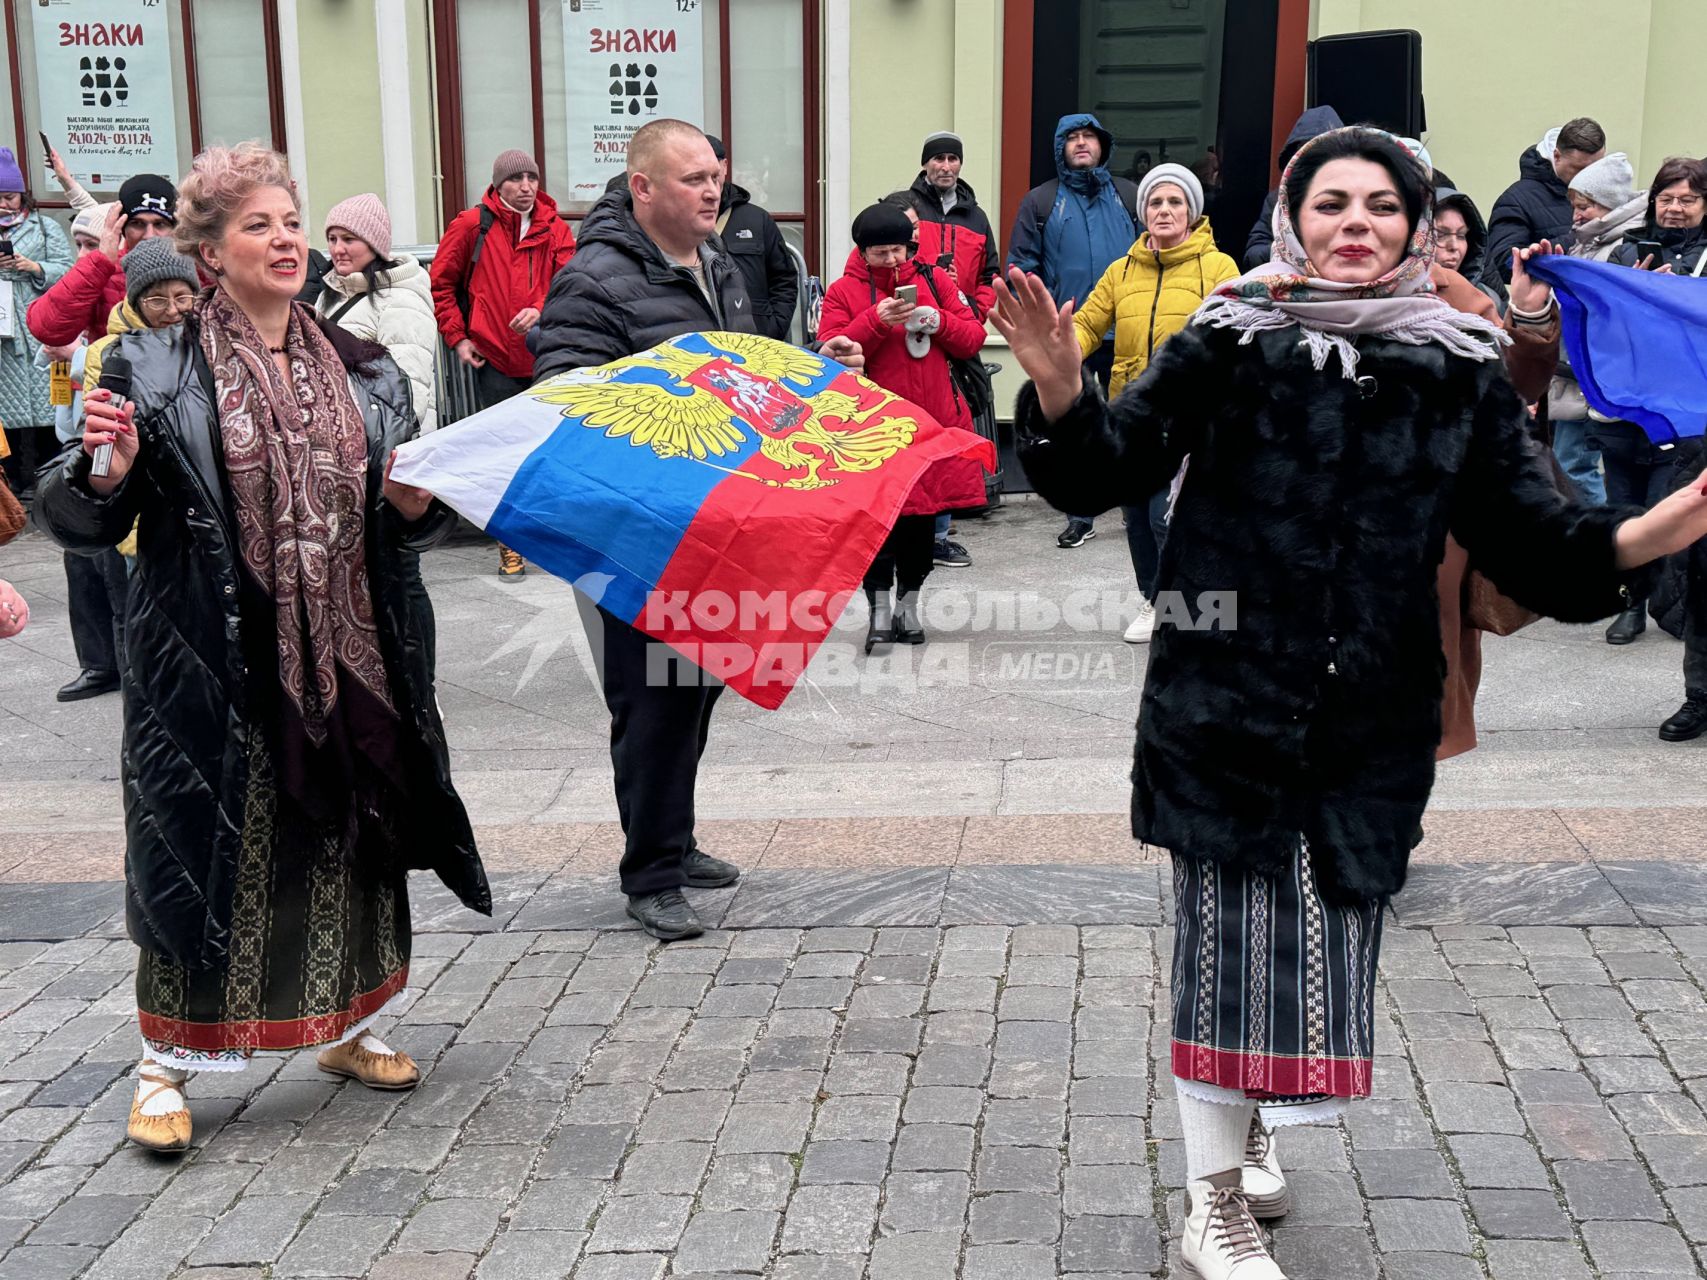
(340, 103)
(916, 66)
(1497, 74)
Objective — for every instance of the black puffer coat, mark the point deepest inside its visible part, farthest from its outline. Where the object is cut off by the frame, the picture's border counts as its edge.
(1535, 207)
(754, 244)
(1315, 711)
(619, 295)
(185, 755)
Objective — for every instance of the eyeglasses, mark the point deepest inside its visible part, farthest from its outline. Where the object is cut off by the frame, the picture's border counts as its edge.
(160, 306)
(1452, 237)
(1677, 202)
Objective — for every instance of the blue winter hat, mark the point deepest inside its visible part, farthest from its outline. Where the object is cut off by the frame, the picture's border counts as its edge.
(11, 177)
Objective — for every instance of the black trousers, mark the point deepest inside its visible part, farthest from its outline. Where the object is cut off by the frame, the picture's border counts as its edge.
(660, 716)
(906, 557)
(493, 387)
(95, 592)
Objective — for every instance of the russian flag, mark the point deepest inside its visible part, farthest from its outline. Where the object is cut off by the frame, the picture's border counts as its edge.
(730, 489)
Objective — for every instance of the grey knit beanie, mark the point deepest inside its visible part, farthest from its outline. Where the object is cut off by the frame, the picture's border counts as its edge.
(1609, 181)
(152, 261)
(1179, 176)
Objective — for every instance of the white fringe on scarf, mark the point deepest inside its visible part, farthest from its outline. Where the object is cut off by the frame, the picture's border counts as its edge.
(1459, 332)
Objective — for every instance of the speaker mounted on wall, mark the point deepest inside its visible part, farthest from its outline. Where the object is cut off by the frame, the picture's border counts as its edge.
(1371, 77)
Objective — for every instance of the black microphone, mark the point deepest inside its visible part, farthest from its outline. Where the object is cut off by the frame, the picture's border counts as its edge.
(115, 377)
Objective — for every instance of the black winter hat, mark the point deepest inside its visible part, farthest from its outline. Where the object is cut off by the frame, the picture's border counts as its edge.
(149, 193)
(943, 142)
(882, 224)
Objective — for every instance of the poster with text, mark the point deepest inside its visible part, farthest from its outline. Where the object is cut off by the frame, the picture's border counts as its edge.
(625, 64)
(104, 76)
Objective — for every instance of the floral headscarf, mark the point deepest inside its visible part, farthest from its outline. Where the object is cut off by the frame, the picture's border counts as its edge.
(1401, 305)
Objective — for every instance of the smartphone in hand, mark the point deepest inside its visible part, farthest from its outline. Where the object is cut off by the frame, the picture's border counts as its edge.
(1646, 249)
(908, 293)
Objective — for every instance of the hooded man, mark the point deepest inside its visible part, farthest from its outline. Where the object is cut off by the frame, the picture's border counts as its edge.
(1069, 230)
(1538, 205)
(1313, 123)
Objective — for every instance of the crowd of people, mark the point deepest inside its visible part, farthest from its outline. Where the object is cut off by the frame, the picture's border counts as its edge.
(1350, 430)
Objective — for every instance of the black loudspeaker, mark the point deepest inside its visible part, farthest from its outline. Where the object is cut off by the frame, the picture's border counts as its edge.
(1371, 77)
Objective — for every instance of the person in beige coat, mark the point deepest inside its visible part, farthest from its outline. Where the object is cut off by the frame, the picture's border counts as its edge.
(382, 297)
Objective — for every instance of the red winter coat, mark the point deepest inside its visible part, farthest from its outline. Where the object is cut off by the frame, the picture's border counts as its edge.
(960, 240)
(79, 303)
(850, 308)
(508, 278)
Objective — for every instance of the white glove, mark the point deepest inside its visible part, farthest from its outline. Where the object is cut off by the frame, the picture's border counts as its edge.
(924, 320)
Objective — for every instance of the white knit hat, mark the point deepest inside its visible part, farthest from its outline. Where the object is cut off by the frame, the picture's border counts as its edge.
(1180, 177)
(91, 221)
(1610, 181)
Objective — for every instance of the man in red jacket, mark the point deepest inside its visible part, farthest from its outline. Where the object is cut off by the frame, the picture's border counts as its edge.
(490, 276)
(81, 300)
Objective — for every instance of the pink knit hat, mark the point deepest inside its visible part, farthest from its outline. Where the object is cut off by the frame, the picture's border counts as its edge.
(364, 216)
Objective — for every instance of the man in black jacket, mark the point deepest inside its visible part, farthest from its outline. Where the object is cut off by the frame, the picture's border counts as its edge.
(750, 236)
(1538, 205)
(1312, 124)
(649, 268)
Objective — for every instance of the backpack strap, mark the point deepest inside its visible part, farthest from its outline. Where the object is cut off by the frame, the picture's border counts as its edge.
(1125, 188)
(463, 302)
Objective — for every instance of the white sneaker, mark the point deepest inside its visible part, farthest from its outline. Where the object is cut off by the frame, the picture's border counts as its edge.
(1221, 1240)
(1263, 1182)
(1143, 625)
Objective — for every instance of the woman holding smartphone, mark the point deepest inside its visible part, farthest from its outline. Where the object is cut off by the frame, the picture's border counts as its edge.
(911, 320)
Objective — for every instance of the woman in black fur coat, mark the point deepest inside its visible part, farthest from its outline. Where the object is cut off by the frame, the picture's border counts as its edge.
(1339, 419)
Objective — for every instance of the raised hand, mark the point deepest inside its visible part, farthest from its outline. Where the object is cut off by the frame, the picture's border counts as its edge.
(1041, 336)
(1527, 293)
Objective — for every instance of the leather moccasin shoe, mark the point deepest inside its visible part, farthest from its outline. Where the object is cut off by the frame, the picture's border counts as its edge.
(167, 1133)
(375, 1070)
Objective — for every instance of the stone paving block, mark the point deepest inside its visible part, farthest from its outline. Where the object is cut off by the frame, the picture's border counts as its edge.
(1429, 1266)
(1324, 1253)
(830, 1220)
(1656, 1113)
(1007, 1262)
(828, 1162)
(764, 1127)
(585, 1151)
(1637, 1248)
(1578, 1133)
(923, 1202)
(1519, 1215)
(1107, 1190)
(664, 1168)
(729, 1242)
(1535, 1260)
(806, 1267)
(1606, 1037)
(858, 1118)
(1427, 1226)
(255, 1231)
(88, 1220)
(336, 1246)
(1630, 1075)
(1108, 1096)
(1096, 1140)
(1015, 1217)
(1035, 1169)
(1438, 1061)
(747, 1182)
(916, 1255)
(1322, 1199)
(1413, 1175)
(685, 1117)
(1678, 1160)
(1473, 1108)
(780, 1086)
(636, 1224)
(1383, 1124)
(46, 1262)
(531, 1255)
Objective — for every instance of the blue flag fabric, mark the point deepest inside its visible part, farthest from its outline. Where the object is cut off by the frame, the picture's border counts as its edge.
(1637, 342)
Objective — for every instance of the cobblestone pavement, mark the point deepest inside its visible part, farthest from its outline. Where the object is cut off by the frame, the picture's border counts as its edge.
(865, 1102)
(922, 1041)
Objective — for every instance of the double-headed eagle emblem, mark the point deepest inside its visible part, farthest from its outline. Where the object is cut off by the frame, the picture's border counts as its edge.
(700, 404)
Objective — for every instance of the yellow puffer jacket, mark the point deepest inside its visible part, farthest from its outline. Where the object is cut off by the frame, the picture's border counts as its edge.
(124, 319)
(1150, 295)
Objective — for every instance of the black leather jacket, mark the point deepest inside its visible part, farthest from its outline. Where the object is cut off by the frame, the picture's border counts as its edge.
(186, 729)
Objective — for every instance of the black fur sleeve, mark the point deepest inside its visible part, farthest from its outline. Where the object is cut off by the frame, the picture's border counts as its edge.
(1547, 551)
(1100, 455)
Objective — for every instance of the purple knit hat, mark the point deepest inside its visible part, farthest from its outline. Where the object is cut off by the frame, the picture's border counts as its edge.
(11, 177)
(364, 216)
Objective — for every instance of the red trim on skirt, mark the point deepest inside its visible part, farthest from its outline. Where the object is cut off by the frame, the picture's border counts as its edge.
(1273, 1075)
(259, 1033)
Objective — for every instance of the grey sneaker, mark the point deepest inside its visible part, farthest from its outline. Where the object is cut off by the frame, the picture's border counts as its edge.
(665, 915)
(706, 872)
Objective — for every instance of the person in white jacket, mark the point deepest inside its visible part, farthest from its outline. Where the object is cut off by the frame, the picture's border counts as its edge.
(384, 298)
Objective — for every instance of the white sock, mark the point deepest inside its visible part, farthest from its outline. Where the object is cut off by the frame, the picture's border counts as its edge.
(165, 1101)
(1215, 1134)
(373, 1044)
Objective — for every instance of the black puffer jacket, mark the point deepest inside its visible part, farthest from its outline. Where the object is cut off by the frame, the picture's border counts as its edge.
(1535, 207)
(185, 756)
(1315, 121)
(1681, 248)
(754, 243)
(1314, 711)
(619, 295)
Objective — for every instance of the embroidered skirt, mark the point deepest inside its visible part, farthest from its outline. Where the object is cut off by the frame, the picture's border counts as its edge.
(319, 943)
(1273, 990)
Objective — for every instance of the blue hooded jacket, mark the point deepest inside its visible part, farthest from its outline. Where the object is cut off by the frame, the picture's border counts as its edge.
(1086, 227)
